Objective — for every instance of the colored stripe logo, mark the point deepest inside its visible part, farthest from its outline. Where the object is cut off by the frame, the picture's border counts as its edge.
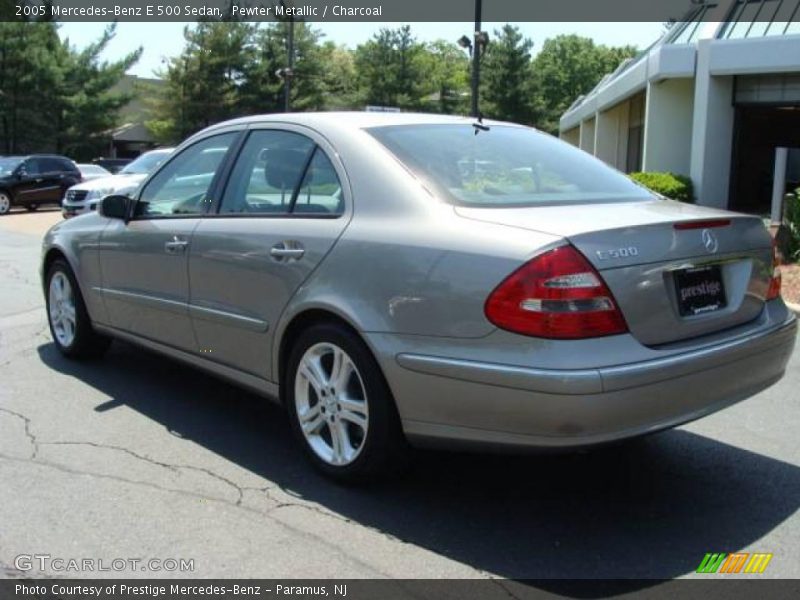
(735, 562)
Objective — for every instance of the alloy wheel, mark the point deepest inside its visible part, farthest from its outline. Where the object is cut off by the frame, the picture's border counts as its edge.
(331, 403)
(5, 204)
(62, 309)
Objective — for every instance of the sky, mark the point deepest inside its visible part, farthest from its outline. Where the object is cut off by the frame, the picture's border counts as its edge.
(165, 40)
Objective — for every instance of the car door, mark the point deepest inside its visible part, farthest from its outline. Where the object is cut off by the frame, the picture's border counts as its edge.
(51, 181)
(28, 189)
(281, 211)
(144, 262)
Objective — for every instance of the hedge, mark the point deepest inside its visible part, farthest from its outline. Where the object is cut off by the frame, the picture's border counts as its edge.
(792, 223)
(676, 187)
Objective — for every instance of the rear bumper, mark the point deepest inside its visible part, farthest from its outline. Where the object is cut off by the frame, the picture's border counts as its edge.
(445, 401)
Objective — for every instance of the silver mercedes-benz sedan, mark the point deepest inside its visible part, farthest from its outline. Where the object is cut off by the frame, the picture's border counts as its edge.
(403, 280)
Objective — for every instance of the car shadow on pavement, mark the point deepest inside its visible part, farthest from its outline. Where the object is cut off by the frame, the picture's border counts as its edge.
(647, 509)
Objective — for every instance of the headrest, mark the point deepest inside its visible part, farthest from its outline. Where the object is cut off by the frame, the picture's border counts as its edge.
(283, 167)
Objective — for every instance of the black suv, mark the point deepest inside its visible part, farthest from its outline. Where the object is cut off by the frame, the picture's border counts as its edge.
(31, 181)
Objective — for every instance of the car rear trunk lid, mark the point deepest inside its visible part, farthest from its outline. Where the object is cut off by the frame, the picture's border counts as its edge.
(677, 271)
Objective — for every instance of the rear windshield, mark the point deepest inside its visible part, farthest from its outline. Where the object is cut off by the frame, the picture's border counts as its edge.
(504, 166)
(146, 163)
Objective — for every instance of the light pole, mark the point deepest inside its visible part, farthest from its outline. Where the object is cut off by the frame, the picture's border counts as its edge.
(287, 73)
(476, 61)
(290, 70)
(476, 47)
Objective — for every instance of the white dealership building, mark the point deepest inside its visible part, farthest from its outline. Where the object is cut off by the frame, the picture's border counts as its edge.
(717, 99)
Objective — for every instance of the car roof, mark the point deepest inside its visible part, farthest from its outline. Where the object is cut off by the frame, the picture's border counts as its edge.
(42, 156)
(356, 119)
(157, 150)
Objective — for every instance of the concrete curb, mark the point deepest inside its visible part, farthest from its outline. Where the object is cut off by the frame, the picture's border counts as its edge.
(793, 307)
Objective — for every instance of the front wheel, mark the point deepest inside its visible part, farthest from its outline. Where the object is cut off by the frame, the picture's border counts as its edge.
(69, 322)
(5, 203)
(341, 408)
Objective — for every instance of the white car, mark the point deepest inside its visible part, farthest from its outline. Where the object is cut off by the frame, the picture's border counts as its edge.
(90, 172)
(85, 196)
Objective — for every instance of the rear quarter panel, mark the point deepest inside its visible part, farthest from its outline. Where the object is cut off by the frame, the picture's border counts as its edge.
(407, 263)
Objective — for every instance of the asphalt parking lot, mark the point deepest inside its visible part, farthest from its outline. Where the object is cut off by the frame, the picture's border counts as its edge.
(136, 456)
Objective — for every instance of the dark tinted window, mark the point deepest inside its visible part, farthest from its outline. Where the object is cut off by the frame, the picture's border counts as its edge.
(68, 165)
(267, 173)
(181, 186)
(34, 166)
(55, 165)
(504, 166)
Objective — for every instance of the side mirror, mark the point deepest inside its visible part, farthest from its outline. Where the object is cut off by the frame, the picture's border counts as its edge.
(115, 207)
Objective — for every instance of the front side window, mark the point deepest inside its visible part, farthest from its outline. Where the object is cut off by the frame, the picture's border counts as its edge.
(267, 173)
(8, 166)
(504, 166)
(181, 187)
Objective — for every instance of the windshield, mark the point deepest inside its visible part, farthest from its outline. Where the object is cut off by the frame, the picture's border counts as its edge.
(145, 163)
(93, 170)
(7, 165)
(504, 166)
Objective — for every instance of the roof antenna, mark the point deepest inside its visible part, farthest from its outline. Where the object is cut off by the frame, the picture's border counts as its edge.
(479, 126)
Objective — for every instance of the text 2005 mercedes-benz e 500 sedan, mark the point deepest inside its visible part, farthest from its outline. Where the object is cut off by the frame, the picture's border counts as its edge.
(401, 279)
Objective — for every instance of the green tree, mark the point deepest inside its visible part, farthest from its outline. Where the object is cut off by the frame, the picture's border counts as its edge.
(569, 66)
(53, 97)
(339, 77)
(89, 104)
(31, 58)
(203, 84)
(390, 69)
(445, 68)
(507, 84)
(265, 90)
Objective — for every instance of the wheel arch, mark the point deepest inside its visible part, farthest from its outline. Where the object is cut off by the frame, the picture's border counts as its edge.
(53, 254)
(299, 322)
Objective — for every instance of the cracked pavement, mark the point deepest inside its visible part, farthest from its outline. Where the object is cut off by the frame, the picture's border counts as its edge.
(135, 456)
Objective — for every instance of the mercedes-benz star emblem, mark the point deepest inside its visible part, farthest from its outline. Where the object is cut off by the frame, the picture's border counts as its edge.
(710, 241)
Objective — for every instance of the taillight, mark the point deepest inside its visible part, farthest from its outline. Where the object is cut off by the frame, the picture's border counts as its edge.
(774, 290)
(557, 295)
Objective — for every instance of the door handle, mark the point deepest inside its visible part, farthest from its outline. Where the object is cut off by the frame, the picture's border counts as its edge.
(175, 245)
(289, 250)
(39, 180)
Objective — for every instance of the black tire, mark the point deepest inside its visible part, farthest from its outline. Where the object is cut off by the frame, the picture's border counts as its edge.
(86, 343)
(6, 202)
(385, 451)
(32, 207)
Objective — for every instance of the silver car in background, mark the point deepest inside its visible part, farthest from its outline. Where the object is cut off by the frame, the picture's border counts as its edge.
(85, 196)
(401, 279)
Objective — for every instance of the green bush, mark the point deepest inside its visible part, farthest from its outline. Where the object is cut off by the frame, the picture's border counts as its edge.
(792, 223)
(676, 187)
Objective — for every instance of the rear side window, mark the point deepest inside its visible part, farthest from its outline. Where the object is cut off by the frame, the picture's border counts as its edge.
(66, 165)
(282, 173)
(267, 173)
(321, 191)
(504, 166)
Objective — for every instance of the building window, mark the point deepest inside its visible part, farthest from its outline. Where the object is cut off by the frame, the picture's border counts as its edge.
(760, 18)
